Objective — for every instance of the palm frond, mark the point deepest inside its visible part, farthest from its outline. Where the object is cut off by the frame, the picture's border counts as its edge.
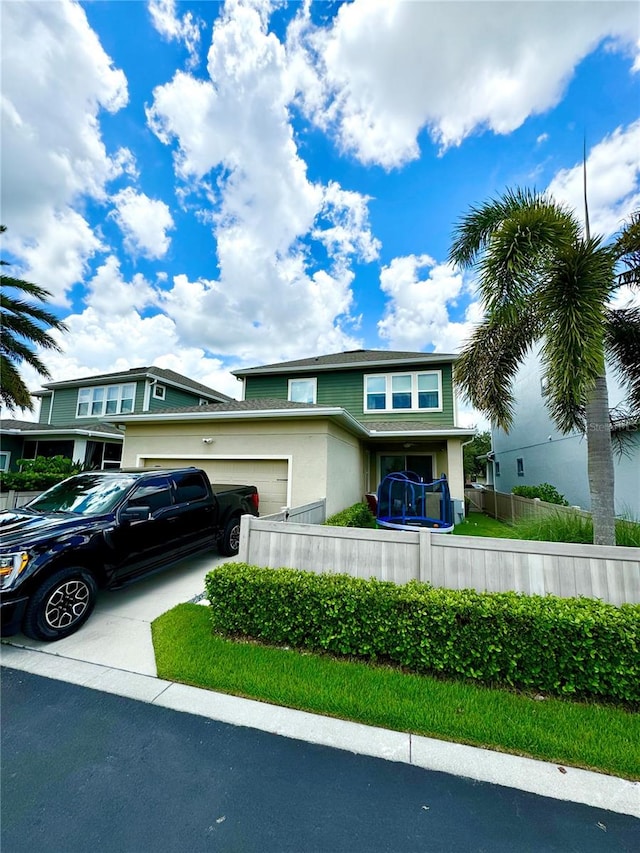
(13, 392)
(543, 222)
(622, 339)
(489, 362)
(627, 247)
(572, 300)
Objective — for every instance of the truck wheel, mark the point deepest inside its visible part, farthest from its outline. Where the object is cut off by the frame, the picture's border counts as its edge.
(230, 542)
(61, 605)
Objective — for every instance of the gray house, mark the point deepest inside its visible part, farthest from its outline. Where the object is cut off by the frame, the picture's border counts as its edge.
(535, 451)
(78, 418)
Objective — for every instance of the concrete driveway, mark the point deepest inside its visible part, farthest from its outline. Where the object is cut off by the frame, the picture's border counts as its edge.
(118, 633)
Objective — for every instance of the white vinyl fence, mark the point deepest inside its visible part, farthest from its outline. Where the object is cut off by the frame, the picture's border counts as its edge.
(456, 562)
(12, 499)
(313, 513)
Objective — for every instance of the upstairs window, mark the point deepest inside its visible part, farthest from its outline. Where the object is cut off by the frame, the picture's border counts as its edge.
(159, 392)
(303, 390)
(520, 466)
(396, 392)
(105, 400)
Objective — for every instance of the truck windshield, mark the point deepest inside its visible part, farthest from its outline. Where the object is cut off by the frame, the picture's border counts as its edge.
(88, 494)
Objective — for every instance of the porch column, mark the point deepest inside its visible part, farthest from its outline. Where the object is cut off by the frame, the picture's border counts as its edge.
(455, 468)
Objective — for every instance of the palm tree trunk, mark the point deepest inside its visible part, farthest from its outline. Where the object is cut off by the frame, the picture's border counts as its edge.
(600, 465)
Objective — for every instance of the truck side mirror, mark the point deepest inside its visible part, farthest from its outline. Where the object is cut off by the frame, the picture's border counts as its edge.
(135, 513)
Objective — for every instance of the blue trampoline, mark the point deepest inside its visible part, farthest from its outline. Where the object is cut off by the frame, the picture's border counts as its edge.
(406, 503)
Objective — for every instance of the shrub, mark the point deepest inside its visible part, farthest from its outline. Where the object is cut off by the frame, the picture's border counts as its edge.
(573, 527)
(569, 647)
(40, 473)
(545, 491)
(358, 515)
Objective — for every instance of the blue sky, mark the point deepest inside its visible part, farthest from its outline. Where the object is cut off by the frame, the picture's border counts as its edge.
(208, 186)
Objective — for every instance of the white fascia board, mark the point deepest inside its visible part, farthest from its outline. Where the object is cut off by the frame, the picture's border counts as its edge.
(27, 433)
(434, 433)
(161, 380)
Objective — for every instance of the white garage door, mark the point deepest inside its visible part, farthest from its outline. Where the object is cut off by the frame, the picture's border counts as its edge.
(268, 475)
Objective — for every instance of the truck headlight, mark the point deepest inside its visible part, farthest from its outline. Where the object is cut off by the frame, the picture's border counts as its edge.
(11, 566)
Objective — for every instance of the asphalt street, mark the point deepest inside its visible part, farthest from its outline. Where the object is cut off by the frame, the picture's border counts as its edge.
(89, 771)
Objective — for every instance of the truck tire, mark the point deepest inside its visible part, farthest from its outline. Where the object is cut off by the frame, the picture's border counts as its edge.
(230, 542)
(61, 605)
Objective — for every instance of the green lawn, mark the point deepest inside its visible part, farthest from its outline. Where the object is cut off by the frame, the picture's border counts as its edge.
(593, 736)
(477, 524)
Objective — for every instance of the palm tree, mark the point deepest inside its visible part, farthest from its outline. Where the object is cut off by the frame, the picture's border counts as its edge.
(22, 328)
(543, 279)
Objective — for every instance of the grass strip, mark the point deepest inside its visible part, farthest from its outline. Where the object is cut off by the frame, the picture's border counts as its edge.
(595, 737)
(478, 524)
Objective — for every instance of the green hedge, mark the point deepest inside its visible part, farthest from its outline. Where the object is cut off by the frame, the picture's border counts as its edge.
(545, 492)
(39, 474)
(358, 515)
(576, 647)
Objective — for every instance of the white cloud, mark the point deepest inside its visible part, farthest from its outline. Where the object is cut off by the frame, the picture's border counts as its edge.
(613, 181)
(144, 222)
(100, 342)
(61, 254)
(109, 294)
(56, 79)
(233, 132)
(386, 69)
(417, 313)
(173, 28)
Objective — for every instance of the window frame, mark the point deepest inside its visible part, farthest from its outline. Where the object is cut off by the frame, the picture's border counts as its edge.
(159, 388)
(520, 466)
(389, 392)
(5, 460)
(314, 385)
(96, 397)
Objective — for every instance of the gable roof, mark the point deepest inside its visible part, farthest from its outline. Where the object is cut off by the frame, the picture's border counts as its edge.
(352, 359)
(169, 377)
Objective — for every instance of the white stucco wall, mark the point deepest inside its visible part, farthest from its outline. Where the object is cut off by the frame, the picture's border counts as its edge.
(551, 457)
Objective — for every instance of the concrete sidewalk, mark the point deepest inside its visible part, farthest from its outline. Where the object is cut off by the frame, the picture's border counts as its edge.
(113, 653)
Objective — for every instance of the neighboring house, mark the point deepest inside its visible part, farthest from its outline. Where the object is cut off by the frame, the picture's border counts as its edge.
(327, 427)
(535, 451)
(79, 417)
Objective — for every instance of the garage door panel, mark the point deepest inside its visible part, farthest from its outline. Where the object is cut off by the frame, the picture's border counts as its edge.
(269, 476)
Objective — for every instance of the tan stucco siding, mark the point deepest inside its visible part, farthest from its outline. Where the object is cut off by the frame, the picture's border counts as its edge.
(307, 446)
(345, 470)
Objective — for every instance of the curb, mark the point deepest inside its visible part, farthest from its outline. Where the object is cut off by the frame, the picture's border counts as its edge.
(482, 765)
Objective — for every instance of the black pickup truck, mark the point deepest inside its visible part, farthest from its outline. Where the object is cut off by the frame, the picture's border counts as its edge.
(106, 529)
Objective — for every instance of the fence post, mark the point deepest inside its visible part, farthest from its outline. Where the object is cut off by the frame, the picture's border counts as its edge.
(424, 555)
(245, 533)
(513, 515)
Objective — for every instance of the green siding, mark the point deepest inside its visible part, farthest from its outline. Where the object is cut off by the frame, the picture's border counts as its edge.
(13, 444)
(267, 386)
(65, 404)
(174, 398)
(45, 405)
(345, 388)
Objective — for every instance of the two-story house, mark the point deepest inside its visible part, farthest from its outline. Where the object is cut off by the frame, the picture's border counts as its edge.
(78, 418)
(326, 427)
